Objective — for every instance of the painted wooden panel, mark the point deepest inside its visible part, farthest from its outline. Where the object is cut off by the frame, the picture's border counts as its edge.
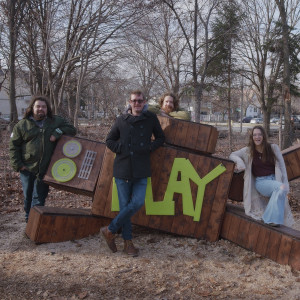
(78, 185)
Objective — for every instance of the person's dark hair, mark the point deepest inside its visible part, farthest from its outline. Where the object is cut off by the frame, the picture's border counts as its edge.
(137, 92)
(175, 100)
(267, 154)
(29, 110)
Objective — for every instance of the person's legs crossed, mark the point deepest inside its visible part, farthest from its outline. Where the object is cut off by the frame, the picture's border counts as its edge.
(131, 198)
(276, 191)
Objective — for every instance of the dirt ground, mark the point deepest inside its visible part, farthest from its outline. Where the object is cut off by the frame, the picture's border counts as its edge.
(169, 266)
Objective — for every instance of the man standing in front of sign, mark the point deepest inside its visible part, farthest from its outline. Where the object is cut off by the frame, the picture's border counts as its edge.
(31, 146)
(130, 139)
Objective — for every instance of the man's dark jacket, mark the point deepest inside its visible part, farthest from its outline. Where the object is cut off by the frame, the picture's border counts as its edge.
(30, 145)
(130, 139)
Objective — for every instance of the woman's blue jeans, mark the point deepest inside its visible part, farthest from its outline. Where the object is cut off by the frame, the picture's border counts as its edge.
(35, 191)
(131, 195)
(276, 191)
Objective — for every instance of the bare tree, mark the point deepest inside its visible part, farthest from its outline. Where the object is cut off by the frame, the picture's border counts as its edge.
(261, 63)
(286, 82)
(64, 46)
(194, 20)
(160, 49)
(14, 11)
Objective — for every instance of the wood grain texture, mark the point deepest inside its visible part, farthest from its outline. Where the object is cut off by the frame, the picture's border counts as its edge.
(281, 244)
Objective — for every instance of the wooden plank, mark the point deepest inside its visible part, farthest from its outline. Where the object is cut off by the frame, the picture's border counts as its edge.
(212, 142)
(294, 259)
(33, 223)
(284, 250)
(181, 134)
(203, 138)
(59, 229)
(273, 245)
(103, 184)
(45, 229)
(234, 229)
(218, 205)
(243, 233)
(226, 224)
(294, 160)
(191, 140)
(254, 230)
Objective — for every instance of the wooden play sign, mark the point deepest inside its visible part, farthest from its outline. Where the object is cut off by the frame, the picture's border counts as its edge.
(187, 194)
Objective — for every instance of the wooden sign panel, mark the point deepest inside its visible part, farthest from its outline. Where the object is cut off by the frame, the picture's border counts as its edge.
(189, 135)
(281, 244)
(291, 158)
(163, 162)
(88, 164)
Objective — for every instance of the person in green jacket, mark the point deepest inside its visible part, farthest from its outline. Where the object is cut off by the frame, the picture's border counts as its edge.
(31, 146)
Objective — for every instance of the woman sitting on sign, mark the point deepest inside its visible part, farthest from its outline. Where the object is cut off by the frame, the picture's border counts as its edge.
(265, 176)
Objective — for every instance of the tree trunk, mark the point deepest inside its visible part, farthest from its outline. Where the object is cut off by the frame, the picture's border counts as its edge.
(12, 62)
(288, 130)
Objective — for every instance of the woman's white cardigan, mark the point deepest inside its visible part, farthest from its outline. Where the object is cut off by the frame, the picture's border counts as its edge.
(254, 203)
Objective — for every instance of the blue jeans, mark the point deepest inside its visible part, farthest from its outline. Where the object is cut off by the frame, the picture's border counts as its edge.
(131, 195)
(35, 191)
(276, 191)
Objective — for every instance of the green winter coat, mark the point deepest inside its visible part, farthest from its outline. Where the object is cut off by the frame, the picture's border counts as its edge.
(30, 145)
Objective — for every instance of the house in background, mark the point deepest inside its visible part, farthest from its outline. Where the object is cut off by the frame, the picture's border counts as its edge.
(22, 97)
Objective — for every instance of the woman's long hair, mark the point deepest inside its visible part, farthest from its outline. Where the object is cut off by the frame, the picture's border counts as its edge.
(29, 110)
(175, 100)
(267, 154)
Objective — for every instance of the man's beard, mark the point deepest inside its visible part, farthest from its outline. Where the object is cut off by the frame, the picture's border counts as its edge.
(39, 116)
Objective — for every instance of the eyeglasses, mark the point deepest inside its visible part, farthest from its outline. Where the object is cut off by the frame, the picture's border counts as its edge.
(139, 101)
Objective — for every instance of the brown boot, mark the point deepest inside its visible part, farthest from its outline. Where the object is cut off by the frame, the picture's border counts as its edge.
(130, 249)
(110, 238)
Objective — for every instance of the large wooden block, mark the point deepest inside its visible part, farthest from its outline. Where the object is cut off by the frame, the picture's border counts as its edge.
(55, 224)
(88, 164)
(281, 244)
(162, 162)
(189, 135)
(291, 158)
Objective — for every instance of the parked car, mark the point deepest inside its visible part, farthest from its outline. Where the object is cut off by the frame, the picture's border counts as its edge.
(256, 121)
(247, 119)
(296, 122)
(274, 120)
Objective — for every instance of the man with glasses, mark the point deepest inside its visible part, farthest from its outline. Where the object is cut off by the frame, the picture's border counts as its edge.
(130, 139)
